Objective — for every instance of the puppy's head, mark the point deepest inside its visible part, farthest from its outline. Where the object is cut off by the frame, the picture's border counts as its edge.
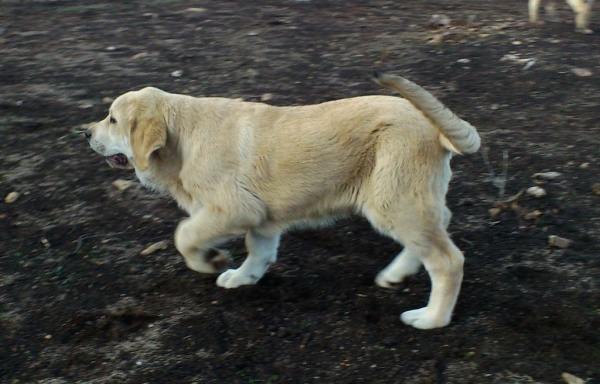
(134, 128)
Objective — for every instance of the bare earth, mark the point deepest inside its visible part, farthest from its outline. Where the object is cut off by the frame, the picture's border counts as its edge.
(79, 304)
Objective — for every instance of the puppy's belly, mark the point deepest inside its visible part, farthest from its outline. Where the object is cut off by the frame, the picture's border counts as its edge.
(316, 214)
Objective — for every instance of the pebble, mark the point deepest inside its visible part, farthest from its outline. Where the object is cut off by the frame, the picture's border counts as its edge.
(139, 55)
(536, 192)
(494, 211)
(515, 59)
(31, 33)
(107, 100)
(529, 65)
(572, 379)
(581, 72)
(436, 39)
(547, 175)
(440, 20)
(266, 97)
(87, 105)
(177, 73)
(155, 247)
(122, 185)
(558, 242)
(533, 215)
(463, 61)
(596, 189)
(11, 197)
(45, 242)
(584, 165)
(198, 10)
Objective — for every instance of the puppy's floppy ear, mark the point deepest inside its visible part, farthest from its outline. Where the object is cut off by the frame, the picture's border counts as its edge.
(148, 133)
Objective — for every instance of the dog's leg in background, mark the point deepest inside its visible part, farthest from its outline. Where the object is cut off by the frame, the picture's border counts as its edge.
(582, 11)
(196, 237)
(262, 253)
(534, 7)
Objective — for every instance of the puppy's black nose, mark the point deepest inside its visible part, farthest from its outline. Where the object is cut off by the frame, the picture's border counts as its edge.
(88, 134)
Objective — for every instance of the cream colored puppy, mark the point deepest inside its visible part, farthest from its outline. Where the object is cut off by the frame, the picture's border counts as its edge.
(582, 9)
(250, 168)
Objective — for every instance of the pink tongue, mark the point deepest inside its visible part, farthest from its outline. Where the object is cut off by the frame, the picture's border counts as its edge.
(119, 159)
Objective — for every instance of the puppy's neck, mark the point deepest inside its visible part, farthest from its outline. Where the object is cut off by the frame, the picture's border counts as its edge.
(163, 175)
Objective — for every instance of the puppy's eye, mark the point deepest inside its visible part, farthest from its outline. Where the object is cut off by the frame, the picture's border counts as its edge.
(112, 120)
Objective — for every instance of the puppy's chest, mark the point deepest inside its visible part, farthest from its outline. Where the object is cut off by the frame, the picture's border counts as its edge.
(171, 186)
(150, 182)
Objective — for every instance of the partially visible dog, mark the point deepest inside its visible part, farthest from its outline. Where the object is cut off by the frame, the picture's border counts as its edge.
(582, 9)
(242, 168)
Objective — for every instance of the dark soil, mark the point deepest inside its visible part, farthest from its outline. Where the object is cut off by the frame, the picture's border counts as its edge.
(78, 303)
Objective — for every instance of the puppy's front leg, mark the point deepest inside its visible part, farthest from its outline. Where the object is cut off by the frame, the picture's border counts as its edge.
(262, 253)
(196, 237)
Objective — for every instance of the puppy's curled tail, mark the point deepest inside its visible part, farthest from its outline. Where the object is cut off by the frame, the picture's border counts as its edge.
(457, 135)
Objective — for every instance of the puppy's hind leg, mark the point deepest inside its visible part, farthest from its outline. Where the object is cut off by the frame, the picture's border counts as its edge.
(406, 264)
(426, 241)
(262, 253)
(444, 263)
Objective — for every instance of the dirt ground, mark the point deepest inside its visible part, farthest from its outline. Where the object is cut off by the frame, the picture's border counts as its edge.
(79, 304)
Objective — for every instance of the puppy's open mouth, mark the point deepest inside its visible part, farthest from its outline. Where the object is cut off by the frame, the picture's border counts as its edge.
(118, 161)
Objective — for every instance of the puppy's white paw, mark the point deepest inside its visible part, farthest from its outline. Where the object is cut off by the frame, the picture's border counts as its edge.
(422, 319)
(388, 280)
(385, 282)
(403, 266)
(233, 278)
(212, 261)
